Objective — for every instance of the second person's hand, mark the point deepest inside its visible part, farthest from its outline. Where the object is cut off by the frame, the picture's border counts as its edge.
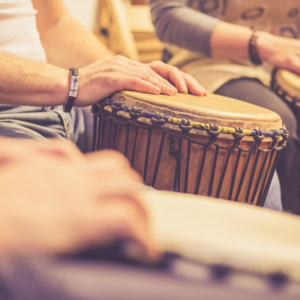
(279, 51)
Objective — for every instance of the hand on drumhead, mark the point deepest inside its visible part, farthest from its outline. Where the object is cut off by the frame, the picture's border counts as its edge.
(106, 77)
(279, 51)
(184, 82)
(56, 200)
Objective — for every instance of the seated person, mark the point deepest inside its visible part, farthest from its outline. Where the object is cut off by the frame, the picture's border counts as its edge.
(210, 40)
(43, 42)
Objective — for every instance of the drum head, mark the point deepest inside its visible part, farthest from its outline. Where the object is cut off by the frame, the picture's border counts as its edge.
(213, 109)
(289, 81)
(215, 231)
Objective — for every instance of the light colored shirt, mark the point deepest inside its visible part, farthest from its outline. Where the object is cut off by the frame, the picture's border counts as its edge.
(18, 33)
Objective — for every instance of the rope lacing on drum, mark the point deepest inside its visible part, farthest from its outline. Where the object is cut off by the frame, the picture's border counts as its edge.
(258, 139)
(136, 113)
(173, 151)
(185, 125)
(213, 132)
(285, 137)
(238, 136)
(275, 138)
(177, 154)
(158, 119)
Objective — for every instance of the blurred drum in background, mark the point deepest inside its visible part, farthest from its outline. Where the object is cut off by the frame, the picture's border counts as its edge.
(214, 146)
(227, 240)
(286, 84)
(213, 249)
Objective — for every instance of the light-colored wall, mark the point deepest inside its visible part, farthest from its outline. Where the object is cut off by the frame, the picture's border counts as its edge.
(83, 10)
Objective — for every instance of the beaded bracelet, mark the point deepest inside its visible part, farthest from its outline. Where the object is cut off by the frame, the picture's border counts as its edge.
(253, 52)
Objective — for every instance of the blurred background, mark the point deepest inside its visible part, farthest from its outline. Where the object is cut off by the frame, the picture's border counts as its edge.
(124, 26)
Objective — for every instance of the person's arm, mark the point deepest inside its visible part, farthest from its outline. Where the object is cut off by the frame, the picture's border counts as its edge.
(232, 41)
(66, 201)
(25, 82)
(38, 84)
(30, 83)
(66, 42)
(180, 25)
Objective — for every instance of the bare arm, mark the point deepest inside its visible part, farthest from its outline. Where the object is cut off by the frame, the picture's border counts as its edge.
(25, 82)
(66, 42)
(98, 204)
(231, 41)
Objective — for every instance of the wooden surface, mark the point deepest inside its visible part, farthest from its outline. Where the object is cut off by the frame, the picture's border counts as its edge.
(221, 232)
(214, 109)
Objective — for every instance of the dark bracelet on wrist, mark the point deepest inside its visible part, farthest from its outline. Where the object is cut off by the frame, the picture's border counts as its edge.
(73, 93)
(253, 52)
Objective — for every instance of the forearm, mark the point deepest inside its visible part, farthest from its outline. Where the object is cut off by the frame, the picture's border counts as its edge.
(30, 83)
(67, 43)
(230, 41)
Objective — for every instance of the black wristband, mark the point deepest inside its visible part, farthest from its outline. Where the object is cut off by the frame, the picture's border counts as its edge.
(253, 52)
(73, 90)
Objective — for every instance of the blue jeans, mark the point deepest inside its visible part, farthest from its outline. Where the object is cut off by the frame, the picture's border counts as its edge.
(42, 123)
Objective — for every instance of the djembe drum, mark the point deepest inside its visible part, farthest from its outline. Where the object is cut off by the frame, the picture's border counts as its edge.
(211, 249)
(222, 235)
(286, 84)
(214, 145)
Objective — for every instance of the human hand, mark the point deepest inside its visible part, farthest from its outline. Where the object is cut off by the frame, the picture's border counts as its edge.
(279, 51)
(56, 200)
(106, 77)
(184, 82)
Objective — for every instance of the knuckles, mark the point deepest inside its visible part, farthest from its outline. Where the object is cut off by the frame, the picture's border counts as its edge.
(135, 81)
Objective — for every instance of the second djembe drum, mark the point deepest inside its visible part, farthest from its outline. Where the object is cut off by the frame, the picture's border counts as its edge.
(214, 146)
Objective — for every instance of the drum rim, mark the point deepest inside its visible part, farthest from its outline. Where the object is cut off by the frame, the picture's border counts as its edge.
(280, 91)
(187, 124)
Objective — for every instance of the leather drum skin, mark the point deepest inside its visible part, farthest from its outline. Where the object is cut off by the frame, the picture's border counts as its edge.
(213, 146)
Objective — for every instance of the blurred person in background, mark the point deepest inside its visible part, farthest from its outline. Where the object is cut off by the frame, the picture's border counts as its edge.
(55, 200)
(210, 39)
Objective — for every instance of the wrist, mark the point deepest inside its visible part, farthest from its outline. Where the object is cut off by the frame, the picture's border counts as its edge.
(64, 85)
(265, 44)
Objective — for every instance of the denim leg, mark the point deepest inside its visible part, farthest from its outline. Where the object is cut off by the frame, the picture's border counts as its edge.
(40, 125)
(273, 200)
(82, 124)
